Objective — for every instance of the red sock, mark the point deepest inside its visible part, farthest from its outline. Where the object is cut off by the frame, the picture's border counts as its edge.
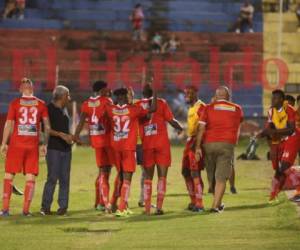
(198, 192)
(190, 188)
(293, 180)
(147, 195)
(104, 188)
(275, 188)
(125, 190)
(161, 191)
(116, 192)
(7, 190)
(28, 195)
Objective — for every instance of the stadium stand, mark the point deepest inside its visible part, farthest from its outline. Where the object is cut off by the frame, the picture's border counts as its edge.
(101, 25)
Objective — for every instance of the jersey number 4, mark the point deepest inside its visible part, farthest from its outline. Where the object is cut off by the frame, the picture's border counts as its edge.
(118, 124)
(28, 115)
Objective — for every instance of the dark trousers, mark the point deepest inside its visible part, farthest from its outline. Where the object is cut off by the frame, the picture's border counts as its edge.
(59, 166)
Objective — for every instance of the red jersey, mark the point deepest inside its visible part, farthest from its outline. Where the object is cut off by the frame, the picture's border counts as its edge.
(27, 114)
(279, 119)
(153, 131)
(124, 124)
(98, 125)
(222, 120)
(297, 119)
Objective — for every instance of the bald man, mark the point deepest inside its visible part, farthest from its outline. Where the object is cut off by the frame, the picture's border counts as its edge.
(218, 132)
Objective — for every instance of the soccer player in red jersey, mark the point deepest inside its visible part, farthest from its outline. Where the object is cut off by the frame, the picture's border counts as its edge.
(124, 123)
(22, 151)
(281, 129)
(191, 169)
(156, 147)
(99, 131)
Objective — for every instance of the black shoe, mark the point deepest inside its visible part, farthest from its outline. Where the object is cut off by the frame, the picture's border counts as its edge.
(198, 209)
(296, 198)
(221, 207)
(159, 212)
(141, 204)
(27, 214)
(215, 210)
(16, 191)
(233, 190)
(61, 212)
(190, 207)
(45, 211)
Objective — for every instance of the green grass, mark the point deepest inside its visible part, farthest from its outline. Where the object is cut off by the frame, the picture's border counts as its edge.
(247, 223)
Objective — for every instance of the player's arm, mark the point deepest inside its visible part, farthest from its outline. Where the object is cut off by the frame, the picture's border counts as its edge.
(153, 106)
(9, 124)
(80, 126)
(199, 137)
(176, 125)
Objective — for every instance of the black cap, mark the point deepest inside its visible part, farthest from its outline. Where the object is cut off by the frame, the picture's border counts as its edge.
(120, 91)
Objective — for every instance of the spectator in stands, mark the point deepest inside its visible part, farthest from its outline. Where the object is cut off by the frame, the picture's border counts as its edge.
(156, 43)
(10, 8)
(298, 14)
(14, 9)
(245, 17)
(171, 45)
(20, 9)
(137, 19)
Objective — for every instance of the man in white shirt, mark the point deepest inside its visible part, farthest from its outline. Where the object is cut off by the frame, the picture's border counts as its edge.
(245, 17)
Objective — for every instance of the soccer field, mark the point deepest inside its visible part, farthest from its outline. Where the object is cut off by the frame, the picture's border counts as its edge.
(247, 223)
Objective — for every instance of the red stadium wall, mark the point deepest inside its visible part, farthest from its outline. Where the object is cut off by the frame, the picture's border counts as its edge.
(83, 56)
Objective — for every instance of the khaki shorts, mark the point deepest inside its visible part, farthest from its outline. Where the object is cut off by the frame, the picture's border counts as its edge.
(218, 160)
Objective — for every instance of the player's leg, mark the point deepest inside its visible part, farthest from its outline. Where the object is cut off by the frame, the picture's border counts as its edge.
(117, 182)
(148, 166)
(149, 173)
(7, 191)
(288, 154)
(13, 165)
(162, 172)
(163, 162)
(31, 170)
(128, 168)
(186, 173)
(104, 184)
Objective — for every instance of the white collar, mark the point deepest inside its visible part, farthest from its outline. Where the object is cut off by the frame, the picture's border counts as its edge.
(121, 106)
(27, 96)
(94, 97)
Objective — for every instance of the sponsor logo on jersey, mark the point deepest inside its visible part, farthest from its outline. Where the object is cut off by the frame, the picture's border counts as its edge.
(120, 135)
(29, 103)
(120, 111)
(97, 129)
(27, 130)
(224, 107)
(150, 129)
(92, 104)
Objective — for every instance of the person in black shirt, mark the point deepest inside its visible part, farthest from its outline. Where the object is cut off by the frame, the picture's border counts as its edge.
(59, 152)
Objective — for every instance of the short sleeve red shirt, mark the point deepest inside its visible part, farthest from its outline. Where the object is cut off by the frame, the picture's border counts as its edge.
(27, 114)
(99, 129)
(153, 130)
(124, 123)
(222, 121)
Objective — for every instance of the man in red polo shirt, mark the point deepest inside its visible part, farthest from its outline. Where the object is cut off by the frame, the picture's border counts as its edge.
(219, 125)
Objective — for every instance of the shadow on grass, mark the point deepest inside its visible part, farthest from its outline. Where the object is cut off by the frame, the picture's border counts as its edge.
(87, 230)
(250, 207)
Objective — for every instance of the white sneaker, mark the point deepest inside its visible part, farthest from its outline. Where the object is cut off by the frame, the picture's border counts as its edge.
(237, 31)
(251, 30)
